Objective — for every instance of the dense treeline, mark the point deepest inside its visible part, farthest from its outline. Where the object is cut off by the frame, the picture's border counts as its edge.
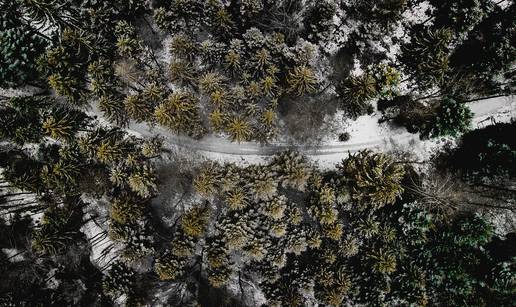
(244, 65)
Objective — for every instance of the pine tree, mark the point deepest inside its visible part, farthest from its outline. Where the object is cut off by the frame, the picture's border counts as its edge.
(384, 261)
(169, 267)
(262, 182)
(216, 253)
(68, 87)
(142, 181)
(152, 147)
(183, 72)
(120, 279)
(486, 155)
(261, 59)
(62, 175)
(183, 245)
(302, 80)
(206, 182)
(452, 118)
(239, 129)
(127, 43)
(183, 46)
(293, 169)
(126, 209)
(318, 19)
(274, 208)
(20, 120)
(194, 222)
(355, 92)
(138, 108)
(56, 231)
(21, 46)
(113, 109)
(269, 85)
(217, 119)
(63, 124)
(118, 176)
(110, 151)
(236, 199)
(375, 179)
(232, 61)
(49, 241)
(426, 57)
(211, 82)
(180, 113)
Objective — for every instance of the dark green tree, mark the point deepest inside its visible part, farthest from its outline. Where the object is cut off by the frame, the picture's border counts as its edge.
(21, 46)
(452, 118)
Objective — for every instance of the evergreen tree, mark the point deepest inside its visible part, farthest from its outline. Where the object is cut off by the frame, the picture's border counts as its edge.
(194, 222)
(293, 169)
(21, 46)
(63, 123)
(169, 267)
(206, 182)
(355, 93)
(20, 120)
(119, 280)
(113, 109)
(262, 182)
(142, 181)
(452, 118)
(427, 56)
(486, 155)
(179, 112)
(318, 19)
(302, 80)
(239, 129)
(375, 179)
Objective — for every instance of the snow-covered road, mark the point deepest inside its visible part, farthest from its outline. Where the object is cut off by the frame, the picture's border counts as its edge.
(365, 132)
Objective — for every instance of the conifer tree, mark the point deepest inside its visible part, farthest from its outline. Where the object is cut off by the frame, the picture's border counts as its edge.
(183, 72)
(142, 181)
(452, 118)
(179, 112)
(263, 184)
(119, 280)
(355, 92)
(302, 80)
(239, 129)
(138, 108)
(374, 178)
(427, 56)
(206, 182)
(126, 209)
(169, 267)
(113, 109)
(63, 124)
(21, 46)
(293, 169)
(194, 222)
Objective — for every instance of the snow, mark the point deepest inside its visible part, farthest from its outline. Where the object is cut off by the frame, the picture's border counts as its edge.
(20, 91)
(19, 201)
(13, 254)
(503, 4)
(103, 249)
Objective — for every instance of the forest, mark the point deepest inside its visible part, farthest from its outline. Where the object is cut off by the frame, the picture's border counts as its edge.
(257, 153)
